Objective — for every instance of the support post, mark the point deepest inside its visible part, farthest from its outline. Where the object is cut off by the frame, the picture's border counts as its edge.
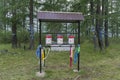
(70, 56)
(41, 46)
(78, 45)
(44, 57)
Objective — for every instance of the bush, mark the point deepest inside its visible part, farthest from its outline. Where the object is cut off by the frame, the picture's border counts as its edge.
(5, 37)
(23, 36)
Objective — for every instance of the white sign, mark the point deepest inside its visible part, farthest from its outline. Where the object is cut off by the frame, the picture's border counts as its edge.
(48, 39)
(59, 39)
(71, 40)
(61, 48)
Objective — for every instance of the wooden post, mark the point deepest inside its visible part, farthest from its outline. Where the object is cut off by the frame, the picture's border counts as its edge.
(78, 45)
(40, 45)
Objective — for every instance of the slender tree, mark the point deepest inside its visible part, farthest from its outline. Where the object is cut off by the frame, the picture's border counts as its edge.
(106, 23)
(14, 25)
(98, 28)
(31, 25)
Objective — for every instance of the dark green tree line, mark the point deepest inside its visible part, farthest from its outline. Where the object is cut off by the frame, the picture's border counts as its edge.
(102, 15)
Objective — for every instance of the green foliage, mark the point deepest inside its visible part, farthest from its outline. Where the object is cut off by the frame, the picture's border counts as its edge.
(21, 7)
(23, 36)
(5, 37)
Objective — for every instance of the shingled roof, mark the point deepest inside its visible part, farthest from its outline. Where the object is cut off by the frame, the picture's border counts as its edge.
(50, 16)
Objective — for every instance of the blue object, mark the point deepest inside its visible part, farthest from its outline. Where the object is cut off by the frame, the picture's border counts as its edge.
(75, 57)
(38, 53)
(77, 51)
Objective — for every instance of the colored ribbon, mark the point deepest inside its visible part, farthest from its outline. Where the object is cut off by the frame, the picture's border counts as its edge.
(38, 53)
(77, 51)
(71, 56)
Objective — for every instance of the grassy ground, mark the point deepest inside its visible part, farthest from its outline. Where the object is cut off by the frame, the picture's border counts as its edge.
(23, 64)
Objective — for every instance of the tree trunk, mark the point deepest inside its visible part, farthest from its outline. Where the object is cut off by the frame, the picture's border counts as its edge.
(31, 26)
(103, 15)
(92, 11)
(14, 28)
(4, 24)
(92, 23)
(117, 31)
(98, 30)
(106, 24)
(14, 35)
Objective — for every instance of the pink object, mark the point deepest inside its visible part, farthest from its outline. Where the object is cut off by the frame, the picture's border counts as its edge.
(71, 56)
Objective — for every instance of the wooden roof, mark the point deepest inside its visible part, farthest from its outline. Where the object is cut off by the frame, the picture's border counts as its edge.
(49, 16)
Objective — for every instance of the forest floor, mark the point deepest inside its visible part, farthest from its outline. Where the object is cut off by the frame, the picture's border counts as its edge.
(19, 64)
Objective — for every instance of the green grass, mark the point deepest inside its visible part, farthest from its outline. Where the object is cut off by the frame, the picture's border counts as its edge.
(23, 64)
